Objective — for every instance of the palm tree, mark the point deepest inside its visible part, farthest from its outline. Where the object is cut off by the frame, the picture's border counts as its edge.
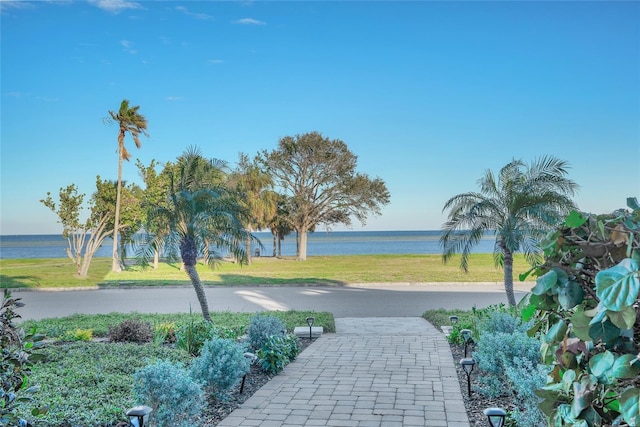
(195, 217)
(134, 123)
(519, 207)
(254, 184)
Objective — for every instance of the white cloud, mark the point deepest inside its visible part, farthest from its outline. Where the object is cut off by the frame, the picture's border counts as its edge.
(115, 6)
(6, 5)
(249, 21)
(128, 47)
(202, 16)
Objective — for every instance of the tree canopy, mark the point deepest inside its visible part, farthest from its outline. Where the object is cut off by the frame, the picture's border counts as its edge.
(318, 175)
(519, 206)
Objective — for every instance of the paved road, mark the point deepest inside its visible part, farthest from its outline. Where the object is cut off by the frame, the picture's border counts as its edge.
(360, 300)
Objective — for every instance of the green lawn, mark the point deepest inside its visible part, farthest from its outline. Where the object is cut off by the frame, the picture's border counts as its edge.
(319, 270)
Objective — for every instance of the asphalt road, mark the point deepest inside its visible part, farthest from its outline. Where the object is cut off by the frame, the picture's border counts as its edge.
(364, 300)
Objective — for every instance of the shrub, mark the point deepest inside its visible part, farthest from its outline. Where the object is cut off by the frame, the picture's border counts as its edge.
(193, 333)
(220, 366)
(78, 335)
(494, 354)
(176, 399)
(277, 352)
(503, 321)
(15, 366)
(261, 328)
(131, 330)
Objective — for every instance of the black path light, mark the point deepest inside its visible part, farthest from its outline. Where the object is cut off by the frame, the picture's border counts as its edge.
(496, 416)
(310, 321)
(467, 365)
(252, 358)
(466, 336)
(139, 415)
(453, 319)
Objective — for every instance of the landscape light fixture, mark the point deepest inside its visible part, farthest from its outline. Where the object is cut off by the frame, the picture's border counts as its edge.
(310, 321)
(496, 416)
(139, 415)
(467, 366)
(453, 319)
(466, 336)
(251, 357)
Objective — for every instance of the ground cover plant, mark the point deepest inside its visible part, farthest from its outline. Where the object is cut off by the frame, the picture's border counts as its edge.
(317, 270)
(92, 383)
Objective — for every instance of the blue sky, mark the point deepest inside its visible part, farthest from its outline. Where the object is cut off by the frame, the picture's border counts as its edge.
(428, 95)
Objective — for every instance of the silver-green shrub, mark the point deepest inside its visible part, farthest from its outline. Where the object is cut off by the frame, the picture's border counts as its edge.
(220, 366)
(176, 399)
(261, 328)
(495, 352)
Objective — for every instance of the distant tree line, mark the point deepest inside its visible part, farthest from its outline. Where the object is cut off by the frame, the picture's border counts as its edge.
(197, 207)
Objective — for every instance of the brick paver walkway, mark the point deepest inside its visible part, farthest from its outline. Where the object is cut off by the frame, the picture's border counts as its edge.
(372, 372)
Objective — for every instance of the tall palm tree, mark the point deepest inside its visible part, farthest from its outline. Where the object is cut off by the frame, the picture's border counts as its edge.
(133, 123)
(196, 216)
(519, 207)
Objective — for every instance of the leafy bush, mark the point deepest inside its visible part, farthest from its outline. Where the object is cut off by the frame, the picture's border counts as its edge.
(15, 366)
(220, 366)
(525, 377)
(277, 352)
(504, 321)
(583, 302)
(262, 327)
(495, 353)
(192, 333)
(176, 399)
(131, 330)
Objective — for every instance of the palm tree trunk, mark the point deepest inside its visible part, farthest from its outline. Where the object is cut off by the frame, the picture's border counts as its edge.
(197, 285)
(115, 263)
(508, 277)
(189, 253)
(248, 245)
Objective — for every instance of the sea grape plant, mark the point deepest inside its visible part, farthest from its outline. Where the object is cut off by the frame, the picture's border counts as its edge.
(18, 355)
(585, 302)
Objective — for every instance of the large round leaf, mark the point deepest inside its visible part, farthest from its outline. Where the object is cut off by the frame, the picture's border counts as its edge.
(630, 406)
(601, 363)
(545, 282)
(623, 367)
(604, 331)
(570, 295)
(580, 324)
(556, 332)
(624, 319)
(617, 287)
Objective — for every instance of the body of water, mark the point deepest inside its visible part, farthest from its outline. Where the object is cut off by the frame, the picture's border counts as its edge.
(318, 243)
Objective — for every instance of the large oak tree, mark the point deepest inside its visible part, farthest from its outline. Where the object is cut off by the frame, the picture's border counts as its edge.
(318, 175)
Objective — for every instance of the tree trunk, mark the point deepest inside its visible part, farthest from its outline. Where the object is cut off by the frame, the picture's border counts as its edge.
(156, 259)
(275, 237)
(302, 250)
(115, 263)
(247, 246)
(197, 285)
(189, 253)
(279, 246)
(508, 277)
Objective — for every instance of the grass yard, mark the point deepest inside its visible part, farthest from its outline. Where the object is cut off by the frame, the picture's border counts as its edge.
(318, 270)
